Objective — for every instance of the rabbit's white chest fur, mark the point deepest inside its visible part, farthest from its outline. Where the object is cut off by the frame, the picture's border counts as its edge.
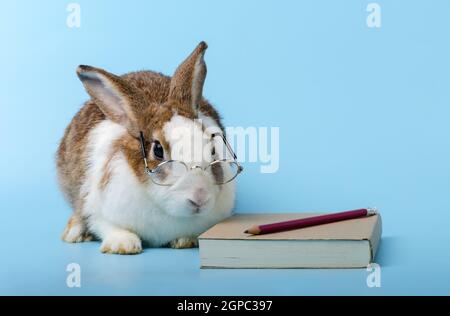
(127, 204)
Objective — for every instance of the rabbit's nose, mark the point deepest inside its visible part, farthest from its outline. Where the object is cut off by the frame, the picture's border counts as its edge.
(201, 196)
(194, 203)
(199, 199)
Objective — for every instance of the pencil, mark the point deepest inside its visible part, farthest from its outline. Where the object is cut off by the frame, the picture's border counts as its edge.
(310, 221)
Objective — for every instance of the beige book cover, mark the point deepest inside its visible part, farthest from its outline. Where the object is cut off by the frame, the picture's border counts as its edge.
(345, 244)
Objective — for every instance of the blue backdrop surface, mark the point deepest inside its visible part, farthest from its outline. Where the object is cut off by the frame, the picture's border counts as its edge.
(363, 115)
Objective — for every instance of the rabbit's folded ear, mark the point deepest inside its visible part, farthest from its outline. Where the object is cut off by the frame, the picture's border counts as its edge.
(117, 99)
(187, 83)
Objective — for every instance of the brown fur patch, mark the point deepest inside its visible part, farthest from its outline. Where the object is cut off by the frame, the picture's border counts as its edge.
(106, 172)
(71, 159)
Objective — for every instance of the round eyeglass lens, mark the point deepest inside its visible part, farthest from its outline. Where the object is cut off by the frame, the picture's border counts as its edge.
(223, 171)
(168, 172)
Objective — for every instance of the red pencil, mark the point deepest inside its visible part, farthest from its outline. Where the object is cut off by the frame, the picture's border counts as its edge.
(310, 221)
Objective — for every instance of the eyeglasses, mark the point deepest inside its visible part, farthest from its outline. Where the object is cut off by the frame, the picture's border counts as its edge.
(169, 172)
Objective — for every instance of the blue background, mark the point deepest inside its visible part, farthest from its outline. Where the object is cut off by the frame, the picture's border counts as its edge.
(363, 116)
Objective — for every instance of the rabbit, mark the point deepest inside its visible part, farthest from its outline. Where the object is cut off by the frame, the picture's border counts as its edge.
(102, 173)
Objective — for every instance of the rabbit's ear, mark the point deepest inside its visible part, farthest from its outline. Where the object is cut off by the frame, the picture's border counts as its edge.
(118, 100)
(187, 83)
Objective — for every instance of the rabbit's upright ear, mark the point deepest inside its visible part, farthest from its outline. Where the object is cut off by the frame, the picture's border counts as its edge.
(117, 99)
(187, 83)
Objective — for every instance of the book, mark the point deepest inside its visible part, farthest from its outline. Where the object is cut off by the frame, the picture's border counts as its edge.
(345, 244)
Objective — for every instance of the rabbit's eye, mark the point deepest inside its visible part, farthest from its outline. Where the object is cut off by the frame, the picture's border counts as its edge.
(158, 150)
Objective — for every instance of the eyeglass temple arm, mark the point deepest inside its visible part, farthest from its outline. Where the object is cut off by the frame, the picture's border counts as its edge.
(229, 149)
(143, 149)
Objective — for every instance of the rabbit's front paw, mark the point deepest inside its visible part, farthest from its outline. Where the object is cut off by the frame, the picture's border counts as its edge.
(184, 242)
(75, 231)
(123, 242)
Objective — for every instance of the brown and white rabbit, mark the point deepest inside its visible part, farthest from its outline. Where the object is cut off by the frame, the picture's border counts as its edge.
(102, 173)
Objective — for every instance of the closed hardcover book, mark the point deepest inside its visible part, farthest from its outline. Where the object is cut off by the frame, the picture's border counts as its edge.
(345, 244)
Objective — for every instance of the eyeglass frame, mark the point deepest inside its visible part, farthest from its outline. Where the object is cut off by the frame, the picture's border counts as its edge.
(150, 172)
